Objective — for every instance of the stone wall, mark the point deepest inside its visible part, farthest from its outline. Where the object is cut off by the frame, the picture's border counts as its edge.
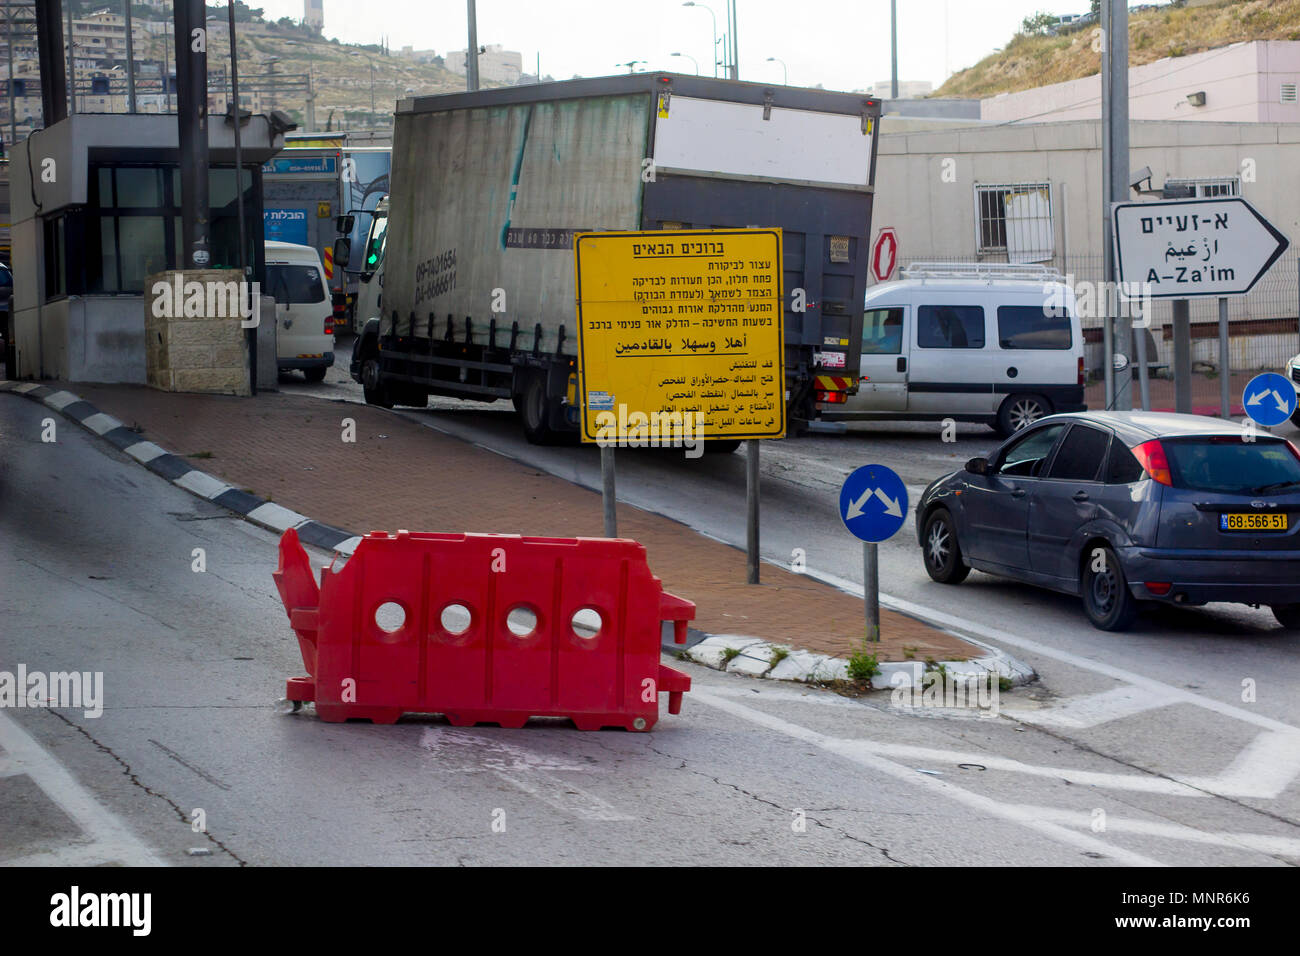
(203, 352)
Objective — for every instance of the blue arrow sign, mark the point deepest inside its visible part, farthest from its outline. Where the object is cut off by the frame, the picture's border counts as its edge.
(1269, 398)
(873, 503)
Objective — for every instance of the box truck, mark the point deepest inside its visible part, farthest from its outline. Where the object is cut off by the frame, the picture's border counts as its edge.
(489, 189)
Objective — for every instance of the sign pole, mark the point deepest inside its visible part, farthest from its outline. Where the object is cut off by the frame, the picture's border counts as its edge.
(871, 588)
(751, 507)
(1144, 379)
(1182, 357)
(1225, 363)
(607, 490)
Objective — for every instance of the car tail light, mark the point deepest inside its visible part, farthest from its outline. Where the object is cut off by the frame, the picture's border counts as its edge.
(1151, 456)
(1082, 378)
(1158, 588)
(832, 398)
(329, 325)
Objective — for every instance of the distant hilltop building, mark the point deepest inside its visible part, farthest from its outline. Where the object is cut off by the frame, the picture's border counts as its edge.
(314, 14)
(495, 64)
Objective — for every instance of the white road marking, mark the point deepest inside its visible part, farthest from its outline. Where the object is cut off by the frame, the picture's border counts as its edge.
(998, 636)
(99, 423)
(26, 387)
(1094, 709)
(1259, 842)
(60, 400)
(463, 751)
(202, 484)
(872, 761)
(1263, 769)
(145, 451)
(276, 516)
(110, 838)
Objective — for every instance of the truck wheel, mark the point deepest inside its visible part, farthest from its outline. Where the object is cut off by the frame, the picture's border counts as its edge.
(374, 391)
(535, 412)
(1020, 410)
(314, 374)
(1288, 615)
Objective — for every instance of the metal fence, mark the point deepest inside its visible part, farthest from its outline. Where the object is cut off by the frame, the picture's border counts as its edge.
(1264, 325)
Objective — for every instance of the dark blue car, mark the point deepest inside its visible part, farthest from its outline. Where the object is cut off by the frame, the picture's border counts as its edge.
(1126, 507)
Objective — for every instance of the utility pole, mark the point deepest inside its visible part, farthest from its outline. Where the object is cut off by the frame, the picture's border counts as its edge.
(893, 49)
(49, 48)
(735, 43)
(192, 123)
(130, 59)
(72, 62)
(1115, 187)
(471, 50)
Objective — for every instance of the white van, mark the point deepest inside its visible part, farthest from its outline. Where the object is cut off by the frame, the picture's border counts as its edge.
(304, 311)
(990, 343)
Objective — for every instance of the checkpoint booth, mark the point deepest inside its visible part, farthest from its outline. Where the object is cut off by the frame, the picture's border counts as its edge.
(96, 207)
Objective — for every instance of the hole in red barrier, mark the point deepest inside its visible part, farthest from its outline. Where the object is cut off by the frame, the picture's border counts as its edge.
(521, 620)
(455, 619)
(390, 616)
(586, 623)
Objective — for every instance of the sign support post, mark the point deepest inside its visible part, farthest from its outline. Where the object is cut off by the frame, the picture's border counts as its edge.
(751, 508)
(1225, 363)
(871, 588)
(607, 497)
(1182, 357)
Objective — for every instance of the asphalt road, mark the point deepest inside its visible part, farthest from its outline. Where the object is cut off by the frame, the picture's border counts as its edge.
(1133, 749)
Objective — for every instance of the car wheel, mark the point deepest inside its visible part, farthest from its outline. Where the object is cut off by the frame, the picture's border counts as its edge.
(940, 550)
(1288, 615)
(1021, 410)
(314, 374)
(1106, 598)
(374, 391)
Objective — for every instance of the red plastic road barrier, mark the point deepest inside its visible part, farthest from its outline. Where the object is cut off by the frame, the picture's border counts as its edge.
(438, 623)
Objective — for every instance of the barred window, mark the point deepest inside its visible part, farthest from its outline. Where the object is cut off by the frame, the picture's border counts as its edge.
(1209, 188)
(1015, 219)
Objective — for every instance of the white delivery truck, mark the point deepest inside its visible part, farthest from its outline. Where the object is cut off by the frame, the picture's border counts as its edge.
(489, 189)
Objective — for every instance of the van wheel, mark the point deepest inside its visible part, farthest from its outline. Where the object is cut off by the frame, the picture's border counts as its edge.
(1020, 410)
(314, 374)
(1106, 598)
(1288, 615)
(940, 551)
(374, 391)
(535, 411)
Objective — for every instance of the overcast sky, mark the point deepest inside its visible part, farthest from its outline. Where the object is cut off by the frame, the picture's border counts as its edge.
(842, 44)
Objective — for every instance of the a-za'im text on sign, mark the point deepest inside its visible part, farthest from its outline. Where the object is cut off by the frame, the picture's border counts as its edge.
(1199, 247)
(680, 333)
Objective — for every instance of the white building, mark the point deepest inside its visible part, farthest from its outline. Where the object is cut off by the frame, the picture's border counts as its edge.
(495, 64)
(1032, 193)
(314, 14)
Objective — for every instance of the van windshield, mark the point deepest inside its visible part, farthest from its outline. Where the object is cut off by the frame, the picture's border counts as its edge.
(292, 285)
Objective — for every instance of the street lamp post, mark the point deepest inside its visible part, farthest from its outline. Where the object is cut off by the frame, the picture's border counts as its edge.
(691, 58)
(785, 73)
(714, 17)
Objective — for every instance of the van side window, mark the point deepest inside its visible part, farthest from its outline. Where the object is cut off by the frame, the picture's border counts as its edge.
(950, 327)
(1033, 327)
(882, 332)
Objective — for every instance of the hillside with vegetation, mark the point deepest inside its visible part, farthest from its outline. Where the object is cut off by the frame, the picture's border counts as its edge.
(1043, 53)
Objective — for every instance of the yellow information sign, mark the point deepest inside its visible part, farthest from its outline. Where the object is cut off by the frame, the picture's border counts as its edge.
(680, 336)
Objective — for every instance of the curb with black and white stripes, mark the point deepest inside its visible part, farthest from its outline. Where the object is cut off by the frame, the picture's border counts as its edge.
(179, 472)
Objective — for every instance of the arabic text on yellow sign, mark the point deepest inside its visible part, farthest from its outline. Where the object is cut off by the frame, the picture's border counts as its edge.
(680, 329)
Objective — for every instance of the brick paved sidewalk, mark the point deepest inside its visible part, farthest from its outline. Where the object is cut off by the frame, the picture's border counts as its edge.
(399, 474)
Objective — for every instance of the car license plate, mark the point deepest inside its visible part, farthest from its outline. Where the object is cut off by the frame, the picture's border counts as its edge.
(1240, 521)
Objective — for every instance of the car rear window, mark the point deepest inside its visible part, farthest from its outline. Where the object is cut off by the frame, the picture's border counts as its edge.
(295, 284)
(1233, 466)
(1033, 327)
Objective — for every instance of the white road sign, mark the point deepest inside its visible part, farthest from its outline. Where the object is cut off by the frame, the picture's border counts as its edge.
(1194, 247)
